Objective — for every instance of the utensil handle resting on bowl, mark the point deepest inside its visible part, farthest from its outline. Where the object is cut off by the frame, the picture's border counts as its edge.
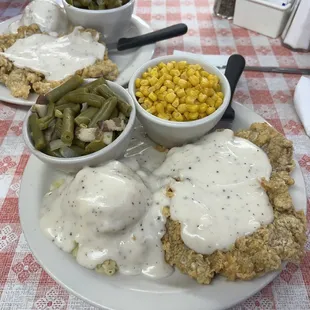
(234, 69)
(152, 37)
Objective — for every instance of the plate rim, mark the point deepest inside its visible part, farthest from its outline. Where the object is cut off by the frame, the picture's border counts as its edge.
(268, 277)
(147, 51)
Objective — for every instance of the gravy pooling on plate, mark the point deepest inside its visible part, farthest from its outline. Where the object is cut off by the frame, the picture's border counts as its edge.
(56, 58)
(115, 211)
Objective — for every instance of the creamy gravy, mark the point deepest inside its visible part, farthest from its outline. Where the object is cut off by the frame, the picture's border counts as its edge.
(47, 14)
(218, 197)
(111, 213)
(56, 58)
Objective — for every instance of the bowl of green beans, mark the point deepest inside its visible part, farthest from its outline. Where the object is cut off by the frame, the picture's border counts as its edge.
(80, 123)
(110, 17)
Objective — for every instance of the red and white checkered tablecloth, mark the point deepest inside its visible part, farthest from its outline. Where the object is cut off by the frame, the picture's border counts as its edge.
(24, 284)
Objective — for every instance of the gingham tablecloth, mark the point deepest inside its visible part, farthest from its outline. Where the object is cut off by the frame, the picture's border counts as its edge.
(24, 284)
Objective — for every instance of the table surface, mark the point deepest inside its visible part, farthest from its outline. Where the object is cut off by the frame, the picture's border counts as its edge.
(24, 284)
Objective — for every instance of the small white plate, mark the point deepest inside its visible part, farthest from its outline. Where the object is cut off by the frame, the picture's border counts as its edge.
(122, 292)
(127, 61)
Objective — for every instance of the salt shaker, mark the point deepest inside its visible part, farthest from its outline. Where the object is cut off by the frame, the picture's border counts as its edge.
(224, 8)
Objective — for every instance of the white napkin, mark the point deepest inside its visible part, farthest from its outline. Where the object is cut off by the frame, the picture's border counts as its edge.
(215, 60)
(302, 102)
(297, 33)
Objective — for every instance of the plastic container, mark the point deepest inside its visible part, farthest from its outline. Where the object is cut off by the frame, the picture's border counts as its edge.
(263, 16)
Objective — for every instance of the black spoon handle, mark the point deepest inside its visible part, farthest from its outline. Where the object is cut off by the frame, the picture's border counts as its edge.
(234, 69)
(152, 37)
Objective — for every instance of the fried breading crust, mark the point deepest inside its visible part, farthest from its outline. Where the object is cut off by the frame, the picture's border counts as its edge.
(22, 81)
(264, 250)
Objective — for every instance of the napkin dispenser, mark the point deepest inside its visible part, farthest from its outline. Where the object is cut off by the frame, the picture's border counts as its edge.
(267, 17)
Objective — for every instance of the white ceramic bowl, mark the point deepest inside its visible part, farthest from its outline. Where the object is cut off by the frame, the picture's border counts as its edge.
(112, 151)
(111, 23)
(169, 133)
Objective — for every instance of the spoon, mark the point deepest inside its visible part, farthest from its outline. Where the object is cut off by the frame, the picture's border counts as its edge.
(234, 68)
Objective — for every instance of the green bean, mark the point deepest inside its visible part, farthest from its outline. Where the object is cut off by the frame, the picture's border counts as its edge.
(67, 130)
(63, 89)
(93, 6)
(91, 99)
(73, 106)
(49, 114)
(78, 150)
(105, 112)
(58, 127)
(106, 92)
(49, 152)
(43, 124)
(86, 116)
(37, 134)
(76, 92)
(114, 113)
(58, 114)
(101, 7)
(78, 143)
(93, 85)
(85, 2)
(94, 146)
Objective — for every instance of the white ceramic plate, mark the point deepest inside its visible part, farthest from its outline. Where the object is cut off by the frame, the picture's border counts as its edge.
(134, 292)
(127, 61)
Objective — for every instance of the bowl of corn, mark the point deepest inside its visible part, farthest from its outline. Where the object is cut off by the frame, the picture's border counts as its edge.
(179, 99)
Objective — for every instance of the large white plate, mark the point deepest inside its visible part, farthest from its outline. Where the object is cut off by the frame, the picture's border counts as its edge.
(127, 61)
(134, 292)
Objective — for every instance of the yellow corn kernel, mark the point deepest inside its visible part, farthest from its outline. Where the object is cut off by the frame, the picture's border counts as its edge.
(170, 97)
(182, 99)
(161, 65)
(176, 88)
(211, 92)
(167, 77)
(152, 96)
(151, 89)
(151, 110)
(197, 74)
(139, 94)
(184, 76)
(176, 102)
(182, 65)
(193, 93)
(218, 103)
(144, 82)
(154, 72)
(198, 67)
(204, 74)
(163, 116)
(160, 108)
(220, 94)
(203, 108)
(176, 80)
(217, 87)
(204, 82)
(164, 103)
(170, 108)
(190, 72)
(144, 106)
(210, 102)
(162, 89)
(198, 88)
(170, 90)
(145, 75)
(145, 92)
(194, 80)
(192, 108)
(169, 115)
(193, 116)
(170, 66)
(149, 69)
(162, 96)
(186, 114)
(190, 100)
(175, 72)
(202, 97)
(153, 80)
(164, 70)
(182, 83)
(182, 108)
(202, 115)
(137, 82)
(177, 116)
(210, 110)
(169, 84)
(181, 92)
(148, 103)
(157, 86)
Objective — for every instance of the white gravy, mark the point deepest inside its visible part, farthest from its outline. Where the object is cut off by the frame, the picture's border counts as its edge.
(218, 197)
(111, 213)
(56, 58)
(47, 14)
